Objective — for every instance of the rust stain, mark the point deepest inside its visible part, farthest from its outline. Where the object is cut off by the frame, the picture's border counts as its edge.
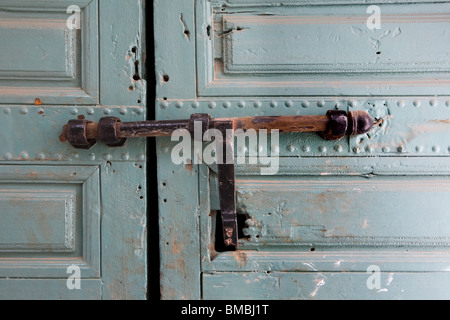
(38, 102)
(189, 167)
(81, 117)
(241, 258)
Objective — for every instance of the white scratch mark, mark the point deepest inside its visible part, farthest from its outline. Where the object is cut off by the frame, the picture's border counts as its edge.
(396, 33)
(338, 263)
(382, 290)
(389, 279)
(310, 265)
(319, 282)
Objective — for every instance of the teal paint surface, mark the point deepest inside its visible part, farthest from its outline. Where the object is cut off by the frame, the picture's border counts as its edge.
(62, 206)
(334, 209)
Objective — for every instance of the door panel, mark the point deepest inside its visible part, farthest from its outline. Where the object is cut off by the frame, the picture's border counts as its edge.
(334, 209)
(61, 206)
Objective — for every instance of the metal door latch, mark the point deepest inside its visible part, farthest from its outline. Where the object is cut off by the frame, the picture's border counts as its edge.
(335, 125)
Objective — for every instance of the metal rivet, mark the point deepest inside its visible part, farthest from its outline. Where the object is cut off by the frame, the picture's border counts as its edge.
(139, 111)
(179, 104)
(386, 149)
(92, 157)
(321, 104)
(417, 103)
(90, 111)
(58, 156)
(370, 149)
(305, 104)
(108, 157)
(434, 102)
(212, 105)
(123, 111)
(401, 103)
(7, 111)
(273, 104)
(419, 148)
(23, 110)
(241, 104)
(338, 148)
(75, 156)
(357, 150)
(164, 105)
(289, 103)
(291, 148)
(74, 111)
(8, 156)
(275, 150)
(257, 104)
(322, 149)
(447, 103)
(353, 103)
(165, 149)
(126, 156)
(24, 155)
(195, 104)
(306, 148)
(227, 104)
(40, 156)
(436, 148)
(401, 149)
(141, 157)
(107, 111)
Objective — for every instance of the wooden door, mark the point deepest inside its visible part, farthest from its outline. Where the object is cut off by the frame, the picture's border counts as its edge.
(362, 218)
(72, 222)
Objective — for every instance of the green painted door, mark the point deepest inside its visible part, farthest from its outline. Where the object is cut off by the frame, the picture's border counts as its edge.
(362, 218)
(72, 222)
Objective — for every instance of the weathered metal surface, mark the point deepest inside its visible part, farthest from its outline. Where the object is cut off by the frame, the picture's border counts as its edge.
(334, 208)
(63, 207)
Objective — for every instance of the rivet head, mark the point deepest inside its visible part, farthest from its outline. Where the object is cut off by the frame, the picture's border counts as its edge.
(90, 111)
(92, 157)
(195, 104)
(401, 149)
(338, 148)
(401, 103)
(126, 156)
(289, 103)
(419, 148)
(74, 111)
(40, 156)
(257, 104)
(436, 148)
(322, 149)
(140, 157)
(306, 148)
(107, 111)
(227, 104)
(212, 105)
(23, 110)
(434, 102)
(8, 156)
(24, 155)
(305, 104)
(58, 156)
(164, 105)
(7, 111)
(107, 157)
(241, 104)
(447, 103)
(273, 104)
(370, 149)
(321, 104)
(291, 148)
(123, 111)
(386, 149)
(357, 150)
(417, 103)
(179, 104)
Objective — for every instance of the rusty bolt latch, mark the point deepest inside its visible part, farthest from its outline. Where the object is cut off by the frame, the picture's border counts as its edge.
(335, 125)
